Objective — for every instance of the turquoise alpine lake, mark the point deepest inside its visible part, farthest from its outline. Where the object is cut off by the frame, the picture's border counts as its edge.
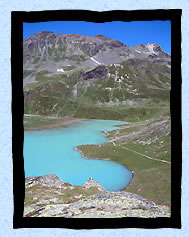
(52, 151)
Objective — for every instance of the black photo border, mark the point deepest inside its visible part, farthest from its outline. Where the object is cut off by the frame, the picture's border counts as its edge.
(17, 19)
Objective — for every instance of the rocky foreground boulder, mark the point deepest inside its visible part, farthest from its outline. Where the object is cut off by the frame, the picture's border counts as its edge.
(49, 196)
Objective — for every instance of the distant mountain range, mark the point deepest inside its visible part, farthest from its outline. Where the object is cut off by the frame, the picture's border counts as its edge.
(64, 69)
(47, 48)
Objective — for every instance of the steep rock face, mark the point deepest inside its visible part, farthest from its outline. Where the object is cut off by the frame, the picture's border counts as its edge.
(99, 72)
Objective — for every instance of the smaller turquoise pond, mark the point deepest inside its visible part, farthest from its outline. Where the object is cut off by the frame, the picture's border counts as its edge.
(52, 151)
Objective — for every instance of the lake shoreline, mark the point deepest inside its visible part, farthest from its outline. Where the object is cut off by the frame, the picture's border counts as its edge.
(107, 159)
(59, 123)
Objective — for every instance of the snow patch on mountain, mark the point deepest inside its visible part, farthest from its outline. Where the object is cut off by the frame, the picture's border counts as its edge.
(96, 61)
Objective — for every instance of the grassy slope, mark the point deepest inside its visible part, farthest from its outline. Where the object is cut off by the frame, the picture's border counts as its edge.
(49, 95)
(37, 122)
(40, 193)
(152, 179)
(140, 111)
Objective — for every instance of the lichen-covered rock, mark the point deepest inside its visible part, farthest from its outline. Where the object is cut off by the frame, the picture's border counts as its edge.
(91, 184)
(100, 205)
(46, 180)
(106, 205)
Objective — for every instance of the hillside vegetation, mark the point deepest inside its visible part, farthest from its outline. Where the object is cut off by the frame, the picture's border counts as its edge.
(118, 93)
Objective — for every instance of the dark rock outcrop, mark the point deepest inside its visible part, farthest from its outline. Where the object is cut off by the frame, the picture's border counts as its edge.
(97, 73)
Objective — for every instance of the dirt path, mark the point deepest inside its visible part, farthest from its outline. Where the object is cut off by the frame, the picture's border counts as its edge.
(148, 157)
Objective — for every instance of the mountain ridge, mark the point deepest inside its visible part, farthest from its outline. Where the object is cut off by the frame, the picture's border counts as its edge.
(70, 70)
(99, 36)
(98, 46)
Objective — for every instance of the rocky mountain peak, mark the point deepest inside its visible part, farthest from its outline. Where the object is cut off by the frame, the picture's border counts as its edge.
(44, 32)
(153, 46)
(149, 45)
(157, 47)
(100, 36)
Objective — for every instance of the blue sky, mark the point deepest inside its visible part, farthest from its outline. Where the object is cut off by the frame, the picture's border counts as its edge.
(129, 33)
